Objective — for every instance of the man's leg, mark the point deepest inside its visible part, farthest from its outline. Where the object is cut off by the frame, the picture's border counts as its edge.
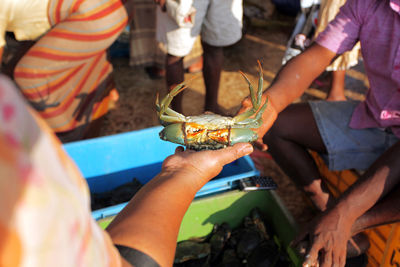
(336, 91)
(175, 75)
(213, 59)
(294, 132)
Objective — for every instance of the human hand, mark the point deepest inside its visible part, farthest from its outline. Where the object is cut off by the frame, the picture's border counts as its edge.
(200, 167)
(328, 235)
(269, 116)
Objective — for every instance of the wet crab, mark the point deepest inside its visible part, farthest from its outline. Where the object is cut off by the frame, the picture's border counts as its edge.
(211, 131)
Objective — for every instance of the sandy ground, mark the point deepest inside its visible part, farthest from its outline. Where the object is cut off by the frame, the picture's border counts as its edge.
(265, 42)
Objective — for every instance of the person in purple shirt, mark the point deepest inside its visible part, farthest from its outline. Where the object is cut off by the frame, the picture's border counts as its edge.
(348, 135)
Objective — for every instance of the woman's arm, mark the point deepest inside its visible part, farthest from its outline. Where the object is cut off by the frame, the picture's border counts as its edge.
(150, 222)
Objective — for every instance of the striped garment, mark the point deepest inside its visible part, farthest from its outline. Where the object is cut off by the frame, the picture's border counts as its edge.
(45, 217)
(66, 75)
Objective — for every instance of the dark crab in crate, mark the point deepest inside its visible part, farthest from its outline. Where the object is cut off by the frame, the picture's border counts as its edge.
(211, 131)
(247, 246)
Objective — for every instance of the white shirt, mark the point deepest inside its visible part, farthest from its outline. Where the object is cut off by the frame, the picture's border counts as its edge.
(26, 18)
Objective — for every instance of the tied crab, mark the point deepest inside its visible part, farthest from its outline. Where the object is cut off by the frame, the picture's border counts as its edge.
(208, 130)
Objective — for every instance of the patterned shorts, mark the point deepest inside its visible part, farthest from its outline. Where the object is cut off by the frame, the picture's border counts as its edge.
(348, 148)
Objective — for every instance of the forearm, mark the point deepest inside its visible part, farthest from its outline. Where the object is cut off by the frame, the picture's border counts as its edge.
(380, 179)
(297, 75)
(385, 211)
(151, 220)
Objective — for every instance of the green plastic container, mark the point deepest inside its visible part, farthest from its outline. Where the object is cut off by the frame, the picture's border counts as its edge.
(232, 207)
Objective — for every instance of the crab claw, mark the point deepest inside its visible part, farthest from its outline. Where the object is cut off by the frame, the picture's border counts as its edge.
(242, 135)
(256, 98)
(173, 133)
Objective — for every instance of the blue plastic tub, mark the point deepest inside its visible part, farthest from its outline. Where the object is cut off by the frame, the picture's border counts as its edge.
(110, 161)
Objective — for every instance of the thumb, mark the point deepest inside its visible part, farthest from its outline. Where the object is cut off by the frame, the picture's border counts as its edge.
(229, 154)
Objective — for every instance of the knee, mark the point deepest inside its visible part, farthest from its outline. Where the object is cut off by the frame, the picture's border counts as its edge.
(279, 132)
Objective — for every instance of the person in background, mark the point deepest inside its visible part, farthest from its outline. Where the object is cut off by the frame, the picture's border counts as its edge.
(178, 25)
(59, 59)
(327, 12)
(144, 49)
(363, 135)
(313, 19)
(45, 217)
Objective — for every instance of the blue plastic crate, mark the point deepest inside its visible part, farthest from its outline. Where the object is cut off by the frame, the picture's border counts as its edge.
(110, 161)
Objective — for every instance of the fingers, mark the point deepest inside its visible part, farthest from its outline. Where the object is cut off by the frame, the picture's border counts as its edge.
(229, 154)
(260, 145)
(312, 256)
(330, 257)
(333, 257)
(337, 259)
(342, 259)
(327, 261)
(327, 254)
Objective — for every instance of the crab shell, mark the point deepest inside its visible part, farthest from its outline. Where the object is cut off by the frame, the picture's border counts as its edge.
(207, 131)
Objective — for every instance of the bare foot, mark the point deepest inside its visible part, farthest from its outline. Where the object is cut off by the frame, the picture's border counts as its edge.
(319, 195)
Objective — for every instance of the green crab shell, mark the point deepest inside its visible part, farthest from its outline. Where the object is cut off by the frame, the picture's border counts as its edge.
(174, 133)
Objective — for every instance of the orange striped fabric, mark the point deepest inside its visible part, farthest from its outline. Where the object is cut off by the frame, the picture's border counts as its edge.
(66, 75)
(45, 217)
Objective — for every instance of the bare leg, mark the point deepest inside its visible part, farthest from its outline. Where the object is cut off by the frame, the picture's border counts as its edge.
(174, 76)
(213, 59)
(293, 133)
(336, 92)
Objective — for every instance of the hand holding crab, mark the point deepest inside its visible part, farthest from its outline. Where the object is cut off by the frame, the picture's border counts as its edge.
(211, 131)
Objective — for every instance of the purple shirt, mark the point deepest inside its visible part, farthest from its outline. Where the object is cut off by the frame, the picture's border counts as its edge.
(376, 24)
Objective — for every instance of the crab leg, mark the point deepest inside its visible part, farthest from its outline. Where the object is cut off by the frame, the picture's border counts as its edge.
(255, 99)
(173, 113)
(173, 119)
(165, 113)
(166, 101)
(251, 89)
(253, 122)
(260, 85)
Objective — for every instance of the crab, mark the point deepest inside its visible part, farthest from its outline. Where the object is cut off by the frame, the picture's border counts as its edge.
(209, 130)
